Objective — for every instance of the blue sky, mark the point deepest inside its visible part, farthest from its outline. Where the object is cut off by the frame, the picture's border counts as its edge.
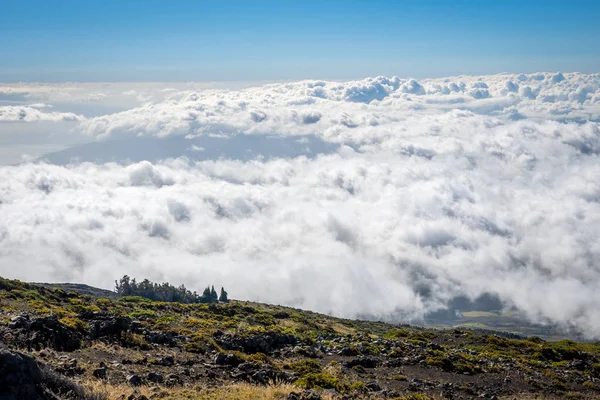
(230, 40)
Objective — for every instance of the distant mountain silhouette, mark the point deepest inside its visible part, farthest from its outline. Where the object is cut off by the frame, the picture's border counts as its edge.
(239, 147)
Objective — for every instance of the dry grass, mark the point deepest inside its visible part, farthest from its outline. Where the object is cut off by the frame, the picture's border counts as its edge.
(343, 329)
(242, 391)
(103, 390)
(335, 369)
(288, 323)
(532, 396)
(235, 391)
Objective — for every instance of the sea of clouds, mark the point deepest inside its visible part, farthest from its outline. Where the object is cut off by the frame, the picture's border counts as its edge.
(383, 197)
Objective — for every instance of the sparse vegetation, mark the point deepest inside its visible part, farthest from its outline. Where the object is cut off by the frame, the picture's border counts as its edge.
(265, 350)
(321, 380)
(304, 367)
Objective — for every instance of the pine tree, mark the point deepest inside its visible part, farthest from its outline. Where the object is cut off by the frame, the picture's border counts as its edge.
(123, 287)
(223, 297)
(213, 295)
(206, 295)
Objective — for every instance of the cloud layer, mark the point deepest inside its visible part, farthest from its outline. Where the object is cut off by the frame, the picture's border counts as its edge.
(35, 113)
(356, 111)
(434, 189)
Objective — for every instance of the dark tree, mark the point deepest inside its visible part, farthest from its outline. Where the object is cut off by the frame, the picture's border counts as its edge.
(206, 295)
(223, 297)
(163, 292)
(123, 286)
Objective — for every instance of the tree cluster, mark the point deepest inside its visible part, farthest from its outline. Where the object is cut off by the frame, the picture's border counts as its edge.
(167, 292)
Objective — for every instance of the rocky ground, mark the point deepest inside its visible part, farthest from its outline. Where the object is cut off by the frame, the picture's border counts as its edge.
(56, 344)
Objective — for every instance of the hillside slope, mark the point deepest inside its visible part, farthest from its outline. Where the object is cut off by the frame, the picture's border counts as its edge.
(249, 350)
(80, 288)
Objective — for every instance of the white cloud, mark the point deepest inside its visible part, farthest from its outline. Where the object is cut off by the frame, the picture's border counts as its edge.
(324, 108)
(34, 113)
(437, 188)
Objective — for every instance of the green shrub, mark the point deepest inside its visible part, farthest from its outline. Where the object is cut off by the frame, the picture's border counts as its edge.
(461, 364)
(305, 367)
(28, 294)
(560, 364)
(143, 314)
(6, 284)
(321, 380)
(39, 306)
(258, 358)
(134, 299)
(164, 321)
(441, 362)
(196, 345)
(358, 386)
(74, 323)
(102, 302)
(590, 385)
(416, 396)
(134, 340)
(396, 334)
(536, 339)
(572, 396)
(558, 384)
(263, 319)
